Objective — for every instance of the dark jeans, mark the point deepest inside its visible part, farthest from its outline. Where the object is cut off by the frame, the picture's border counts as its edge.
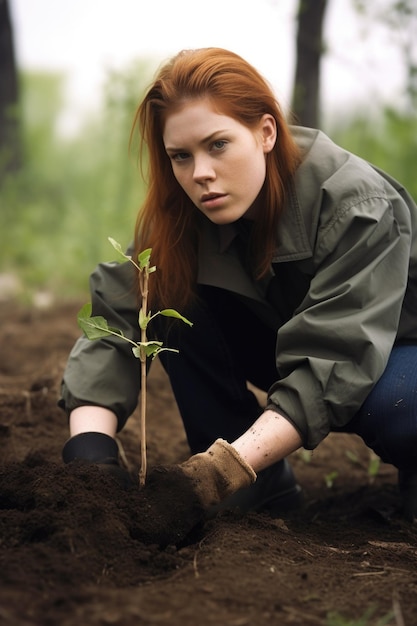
(229, 345)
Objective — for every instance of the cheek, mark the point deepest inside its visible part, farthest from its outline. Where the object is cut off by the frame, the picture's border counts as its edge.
(255, 172)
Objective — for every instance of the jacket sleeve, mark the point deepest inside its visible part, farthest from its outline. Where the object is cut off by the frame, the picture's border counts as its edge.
(104, 372)
(337, 344)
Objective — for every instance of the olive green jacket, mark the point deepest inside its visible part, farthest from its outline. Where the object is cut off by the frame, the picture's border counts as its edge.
(342, 291)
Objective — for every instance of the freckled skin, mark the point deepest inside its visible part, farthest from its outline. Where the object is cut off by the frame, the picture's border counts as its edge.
(271, 438)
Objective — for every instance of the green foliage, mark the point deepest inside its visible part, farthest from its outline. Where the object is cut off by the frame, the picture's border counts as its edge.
(56, 213)
(373, 466)
(72, 190)
(389, 141)
(96, 326)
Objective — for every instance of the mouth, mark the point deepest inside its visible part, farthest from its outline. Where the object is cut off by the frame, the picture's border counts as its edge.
(213, 200)
(207, 197)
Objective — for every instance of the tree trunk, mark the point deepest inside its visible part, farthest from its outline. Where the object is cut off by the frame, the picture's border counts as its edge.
(9, 95)
(306, 91)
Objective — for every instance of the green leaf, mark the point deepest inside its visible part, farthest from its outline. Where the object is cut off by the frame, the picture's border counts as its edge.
(85, 311)
(352, 457)
(151, 350)
(330, 478)
(305, 455)
(95, 327)
(144, 258)
(173, 313)
(143, 320)
(137, 352)
(150, 347)
(118, 248)
(373, 467)
(147, 348)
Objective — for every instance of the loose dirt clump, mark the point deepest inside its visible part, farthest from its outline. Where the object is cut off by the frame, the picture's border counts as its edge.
(76, 549)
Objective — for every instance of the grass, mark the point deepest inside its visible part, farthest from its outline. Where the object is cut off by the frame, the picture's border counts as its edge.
(335, 619)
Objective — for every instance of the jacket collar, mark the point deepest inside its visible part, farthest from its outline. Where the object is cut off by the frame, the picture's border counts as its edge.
(292, 243)
(292, 239)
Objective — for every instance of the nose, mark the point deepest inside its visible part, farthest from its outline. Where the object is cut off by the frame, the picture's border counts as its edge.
(203, 169)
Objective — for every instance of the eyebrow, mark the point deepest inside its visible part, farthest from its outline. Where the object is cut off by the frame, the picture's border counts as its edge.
(203, 141)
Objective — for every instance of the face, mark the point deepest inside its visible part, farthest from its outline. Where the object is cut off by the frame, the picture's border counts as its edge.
(219, 162)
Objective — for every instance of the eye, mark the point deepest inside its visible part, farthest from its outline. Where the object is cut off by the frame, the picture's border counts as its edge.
(180, 156)
(219, 144)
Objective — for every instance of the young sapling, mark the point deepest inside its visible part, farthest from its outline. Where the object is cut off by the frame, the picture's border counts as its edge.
(96, 327)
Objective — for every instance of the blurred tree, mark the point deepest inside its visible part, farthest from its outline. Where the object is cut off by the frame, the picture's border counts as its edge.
(309, 49)
(398, 16)
(400, 19)
(10, 153)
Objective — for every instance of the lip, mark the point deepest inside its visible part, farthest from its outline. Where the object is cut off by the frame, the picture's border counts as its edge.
(212, 200)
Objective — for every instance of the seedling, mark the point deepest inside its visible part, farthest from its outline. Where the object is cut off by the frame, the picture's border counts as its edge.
(330, 478)
(305, 455)
(372, 468)
(96, 327)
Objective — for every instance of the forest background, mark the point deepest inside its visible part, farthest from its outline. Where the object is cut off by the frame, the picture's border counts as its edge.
(63, 193)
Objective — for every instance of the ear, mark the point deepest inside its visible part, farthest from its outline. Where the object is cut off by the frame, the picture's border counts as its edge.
(268, 129)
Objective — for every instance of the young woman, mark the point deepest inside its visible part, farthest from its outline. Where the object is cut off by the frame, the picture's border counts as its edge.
(296, 262)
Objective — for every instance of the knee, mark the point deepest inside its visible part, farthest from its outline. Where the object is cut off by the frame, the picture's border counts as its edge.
(396, 443)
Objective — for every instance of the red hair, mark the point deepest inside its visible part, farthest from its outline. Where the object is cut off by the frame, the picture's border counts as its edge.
(167, 221)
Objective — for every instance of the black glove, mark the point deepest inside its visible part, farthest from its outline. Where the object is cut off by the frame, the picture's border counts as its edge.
(100, 449)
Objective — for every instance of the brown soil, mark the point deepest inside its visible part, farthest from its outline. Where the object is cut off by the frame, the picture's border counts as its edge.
(76, 550)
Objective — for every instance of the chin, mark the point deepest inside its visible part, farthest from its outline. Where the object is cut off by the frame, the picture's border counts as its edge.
(225, 218)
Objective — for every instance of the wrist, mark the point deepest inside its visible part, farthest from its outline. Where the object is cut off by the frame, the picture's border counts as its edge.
(270, 439)
(90, 418)
(236, 463)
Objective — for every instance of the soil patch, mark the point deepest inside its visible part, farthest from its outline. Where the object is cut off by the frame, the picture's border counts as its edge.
(77, 550)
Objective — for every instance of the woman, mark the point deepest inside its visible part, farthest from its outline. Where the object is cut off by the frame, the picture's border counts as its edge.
(296, 262)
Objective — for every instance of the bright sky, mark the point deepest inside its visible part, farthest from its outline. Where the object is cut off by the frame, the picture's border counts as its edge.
(86, 38)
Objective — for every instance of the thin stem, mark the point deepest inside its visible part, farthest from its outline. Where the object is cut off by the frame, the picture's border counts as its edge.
(143, 282)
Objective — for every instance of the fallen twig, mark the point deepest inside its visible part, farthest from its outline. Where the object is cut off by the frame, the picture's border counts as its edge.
(396, 607)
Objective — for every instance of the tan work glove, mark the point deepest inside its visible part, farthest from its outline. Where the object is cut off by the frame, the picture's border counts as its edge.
(176, 499)
(217, 473)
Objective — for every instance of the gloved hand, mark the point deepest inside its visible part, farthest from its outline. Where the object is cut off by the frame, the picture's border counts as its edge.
(217, 473)
(177, 498)
(99, 449)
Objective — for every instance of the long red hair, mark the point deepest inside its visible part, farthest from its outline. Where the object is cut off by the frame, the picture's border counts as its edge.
(167, 221)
